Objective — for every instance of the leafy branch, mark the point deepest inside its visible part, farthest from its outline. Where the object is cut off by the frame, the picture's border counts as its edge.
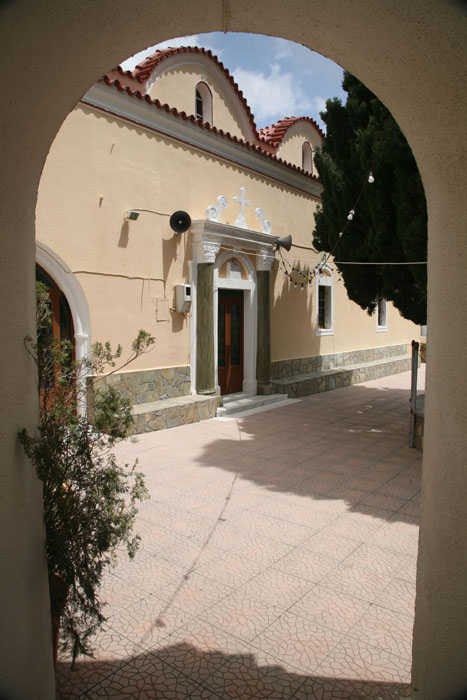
(90, 501)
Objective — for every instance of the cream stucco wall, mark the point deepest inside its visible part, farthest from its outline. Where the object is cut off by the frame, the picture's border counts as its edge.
(294, 314)
(100, 166)
(390, 46)
(176, 87)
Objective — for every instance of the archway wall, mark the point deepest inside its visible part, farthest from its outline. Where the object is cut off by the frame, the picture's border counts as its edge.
(412, 55)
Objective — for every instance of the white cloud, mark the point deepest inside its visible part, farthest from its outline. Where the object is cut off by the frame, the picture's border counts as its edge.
(194, 40)
(319, 103)
(273, 96)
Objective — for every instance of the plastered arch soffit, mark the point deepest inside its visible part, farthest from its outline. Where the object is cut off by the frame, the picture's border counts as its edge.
(391, 52)
(411, 55)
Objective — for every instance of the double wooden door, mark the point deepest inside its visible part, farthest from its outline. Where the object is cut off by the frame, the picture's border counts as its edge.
(230, 340)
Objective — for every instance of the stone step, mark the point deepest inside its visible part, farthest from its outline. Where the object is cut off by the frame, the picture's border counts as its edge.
(229, 398)
(169, 413)
(325, 380)
(247, 402)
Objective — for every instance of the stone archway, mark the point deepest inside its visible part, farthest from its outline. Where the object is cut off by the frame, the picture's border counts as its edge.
(412, 55)
(63, 276)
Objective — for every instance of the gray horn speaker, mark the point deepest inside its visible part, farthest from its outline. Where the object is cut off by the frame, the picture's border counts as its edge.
(283, 243)
(180, 221)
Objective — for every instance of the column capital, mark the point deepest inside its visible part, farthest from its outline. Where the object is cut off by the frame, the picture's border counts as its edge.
(265, 260)
(205, 251)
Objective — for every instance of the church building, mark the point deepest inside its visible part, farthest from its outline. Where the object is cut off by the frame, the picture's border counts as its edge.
(163, 207)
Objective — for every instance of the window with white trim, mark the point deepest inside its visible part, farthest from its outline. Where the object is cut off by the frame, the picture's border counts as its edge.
(307, 157)
(203, 102)
(324, 303)
(382, 315)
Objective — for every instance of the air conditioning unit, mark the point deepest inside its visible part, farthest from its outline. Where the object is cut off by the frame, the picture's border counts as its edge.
(183, 298)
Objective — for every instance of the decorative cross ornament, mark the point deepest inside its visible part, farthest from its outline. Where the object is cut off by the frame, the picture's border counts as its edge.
(240, 221)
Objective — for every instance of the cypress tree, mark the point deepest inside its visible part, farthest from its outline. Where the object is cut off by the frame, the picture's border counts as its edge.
(390, 221)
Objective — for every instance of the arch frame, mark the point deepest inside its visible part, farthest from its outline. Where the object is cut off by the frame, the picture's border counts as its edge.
(391, 51)
(205, 94)
(56, 267)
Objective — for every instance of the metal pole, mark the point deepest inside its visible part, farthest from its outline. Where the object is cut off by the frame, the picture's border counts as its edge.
(413, 391)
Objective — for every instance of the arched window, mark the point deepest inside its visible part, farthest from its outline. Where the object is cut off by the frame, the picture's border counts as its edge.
(203, 102)
(307, 157)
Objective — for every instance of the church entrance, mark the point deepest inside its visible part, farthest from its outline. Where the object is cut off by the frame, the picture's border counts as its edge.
(230, 340)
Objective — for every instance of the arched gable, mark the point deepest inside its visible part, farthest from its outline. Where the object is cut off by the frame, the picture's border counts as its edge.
(289, 135)
(171, 76)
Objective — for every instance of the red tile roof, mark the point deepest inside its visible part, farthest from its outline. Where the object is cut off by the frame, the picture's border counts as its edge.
(276, 132)
(144, 70)
(267, 140)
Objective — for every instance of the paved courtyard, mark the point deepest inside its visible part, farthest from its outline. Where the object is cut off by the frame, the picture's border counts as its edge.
(277, 559)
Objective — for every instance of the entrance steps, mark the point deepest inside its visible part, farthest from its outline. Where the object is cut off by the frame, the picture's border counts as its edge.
(241, 401)
(324, 380)
(169, 413)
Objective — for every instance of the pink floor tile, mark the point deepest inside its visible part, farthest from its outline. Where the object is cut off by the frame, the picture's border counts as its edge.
(277, 559)
(328, 608)
(298, 642)
(352, 658)
(363, 584)
(242, 616)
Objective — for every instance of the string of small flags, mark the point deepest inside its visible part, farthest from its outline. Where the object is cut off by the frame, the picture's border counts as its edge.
(295, 274)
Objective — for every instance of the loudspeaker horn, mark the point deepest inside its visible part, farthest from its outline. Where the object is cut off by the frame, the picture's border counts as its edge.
(285, 242)
(180, 221)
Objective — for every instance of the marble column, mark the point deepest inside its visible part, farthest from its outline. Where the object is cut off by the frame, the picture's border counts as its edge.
(263, 354)
(205, 255)
(205, 330)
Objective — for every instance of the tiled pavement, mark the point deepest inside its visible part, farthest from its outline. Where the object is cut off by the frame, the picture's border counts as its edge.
(277, 560)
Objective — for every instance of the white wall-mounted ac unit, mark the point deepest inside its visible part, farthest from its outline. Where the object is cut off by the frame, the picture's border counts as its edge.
(183, 298)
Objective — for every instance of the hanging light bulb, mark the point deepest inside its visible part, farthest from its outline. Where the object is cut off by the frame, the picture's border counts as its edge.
(341, 234)
(351, 214)
(371, 178)
(302, 287)
(295, 284)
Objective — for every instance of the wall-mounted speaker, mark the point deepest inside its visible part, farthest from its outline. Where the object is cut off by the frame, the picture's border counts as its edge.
(285, 242)
(180, 221)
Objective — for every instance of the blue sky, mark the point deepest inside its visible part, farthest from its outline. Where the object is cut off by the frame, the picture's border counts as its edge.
(279, 78)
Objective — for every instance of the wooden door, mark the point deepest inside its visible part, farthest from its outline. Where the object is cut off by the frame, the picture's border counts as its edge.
(61, 329)
(230, 341)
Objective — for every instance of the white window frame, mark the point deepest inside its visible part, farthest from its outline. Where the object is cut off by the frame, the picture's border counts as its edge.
(325, 280)
(307, 157)
(202, 89)
(382, 312)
